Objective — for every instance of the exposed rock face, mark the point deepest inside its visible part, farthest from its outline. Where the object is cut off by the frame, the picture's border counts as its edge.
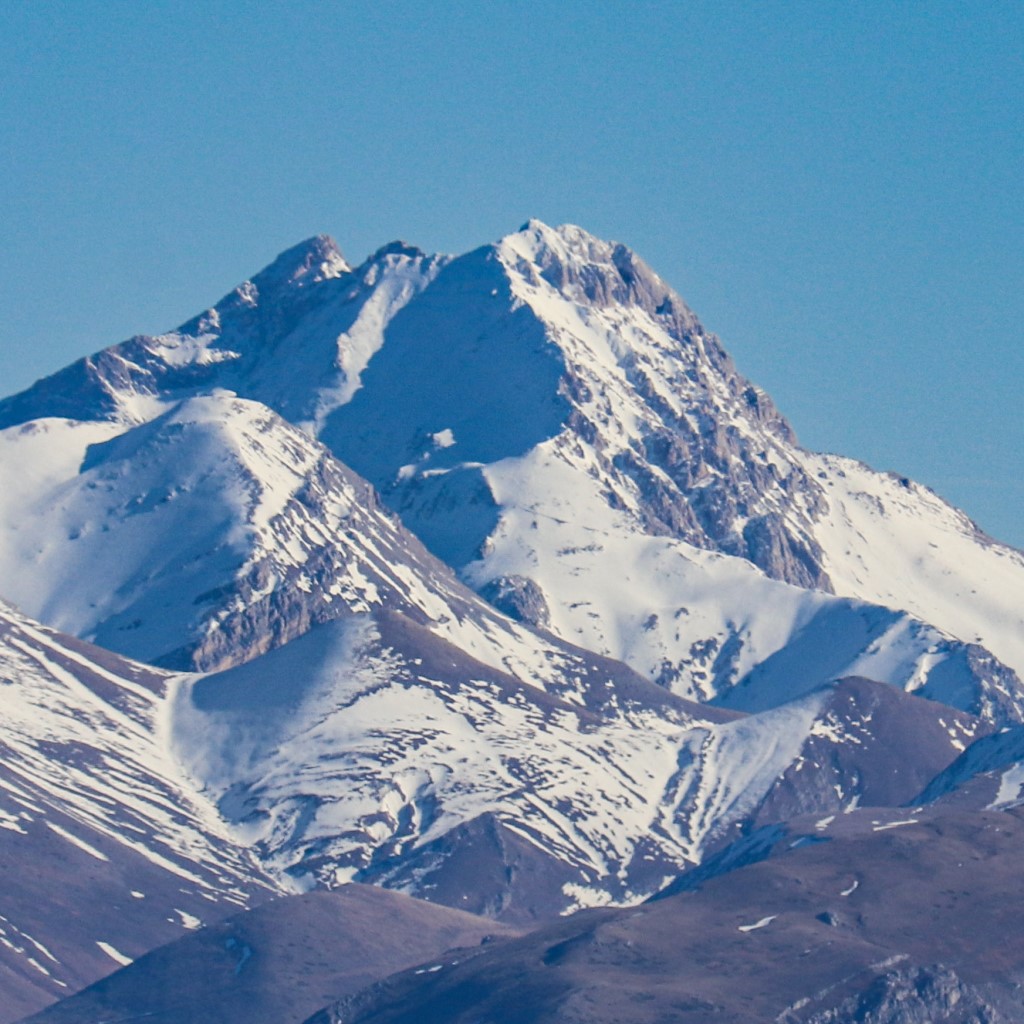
(483, 867)
(519, 598)
(705, 461)
(872, 746)
(917, 995)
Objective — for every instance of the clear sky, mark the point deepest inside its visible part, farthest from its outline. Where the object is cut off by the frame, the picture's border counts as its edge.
(836, 189)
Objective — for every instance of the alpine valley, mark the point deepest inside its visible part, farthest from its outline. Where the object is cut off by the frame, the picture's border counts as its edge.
(464, 639)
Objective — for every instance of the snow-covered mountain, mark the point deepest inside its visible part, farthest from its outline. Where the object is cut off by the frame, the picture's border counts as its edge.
(217, 531)
(367, 750)
(485, 578)
(107, 850)
(552, 421)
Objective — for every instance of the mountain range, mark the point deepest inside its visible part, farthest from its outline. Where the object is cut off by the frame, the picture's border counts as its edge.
(487, 580)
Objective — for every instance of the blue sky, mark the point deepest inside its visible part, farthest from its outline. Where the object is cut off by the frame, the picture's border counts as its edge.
(835, 189)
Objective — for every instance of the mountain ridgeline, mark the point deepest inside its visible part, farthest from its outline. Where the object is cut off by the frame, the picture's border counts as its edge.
(487, 579)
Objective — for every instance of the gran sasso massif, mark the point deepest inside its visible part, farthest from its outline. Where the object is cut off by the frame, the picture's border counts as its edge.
(489, 583)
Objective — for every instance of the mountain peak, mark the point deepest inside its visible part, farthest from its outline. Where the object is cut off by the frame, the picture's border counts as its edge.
(592, 271)
(315, 259)
(399, 247)
(280, 289)
(535, 238)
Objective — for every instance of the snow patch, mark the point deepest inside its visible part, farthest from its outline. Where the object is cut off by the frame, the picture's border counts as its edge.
(1011, 784)
(114, 954)
(75, 841)
(877, 827)
(757, 924)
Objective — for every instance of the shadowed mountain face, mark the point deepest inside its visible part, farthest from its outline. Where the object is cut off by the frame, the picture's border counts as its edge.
(277, 963)
(870, 746)
(989, 774)
(872, 916)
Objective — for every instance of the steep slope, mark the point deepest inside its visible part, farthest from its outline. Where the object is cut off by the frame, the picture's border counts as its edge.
(664, 432)
(547, 415)
(988, 774)
(106, 849)
(870, 746)
(217, 531)
(553, 423)
(277, 963)
(632, 423)
(896, 918)
(294, 337)
(371, 749)
(562, 778)
(209, 534)
(891, 541)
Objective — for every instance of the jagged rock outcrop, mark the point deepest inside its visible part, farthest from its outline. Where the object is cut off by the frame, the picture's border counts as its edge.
(917, 995)
(519, 598)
